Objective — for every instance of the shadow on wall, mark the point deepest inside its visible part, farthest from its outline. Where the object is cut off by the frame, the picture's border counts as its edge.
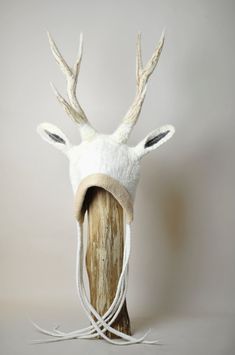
(158, 250)
(172, 199)
(189, 248)
(165, 206)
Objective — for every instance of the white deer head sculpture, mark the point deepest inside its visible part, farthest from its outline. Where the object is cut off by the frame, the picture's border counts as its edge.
(105, 161)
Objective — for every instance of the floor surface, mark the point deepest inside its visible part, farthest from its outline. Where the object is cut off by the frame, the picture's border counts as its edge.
(179, 335)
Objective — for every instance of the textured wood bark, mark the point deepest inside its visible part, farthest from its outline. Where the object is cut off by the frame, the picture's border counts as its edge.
(105, 253)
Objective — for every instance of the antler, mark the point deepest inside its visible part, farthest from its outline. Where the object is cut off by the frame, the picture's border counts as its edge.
(73, 108)
(142, 75)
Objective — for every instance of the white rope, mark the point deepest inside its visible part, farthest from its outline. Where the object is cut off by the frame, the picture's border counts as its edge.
(111, 314)
(89, 308)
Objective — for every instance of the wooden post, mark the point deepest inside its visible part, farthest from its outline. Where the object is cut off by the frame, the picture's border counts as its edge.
(105, 253)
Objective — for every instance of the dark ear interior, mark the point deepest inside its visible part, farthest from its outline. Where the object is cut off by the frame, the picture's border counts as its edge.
(55, 137)
(153, 140)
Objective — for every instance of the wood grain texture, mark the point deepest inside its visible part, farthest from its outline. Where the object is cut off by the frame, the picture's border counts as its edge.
(105, 253)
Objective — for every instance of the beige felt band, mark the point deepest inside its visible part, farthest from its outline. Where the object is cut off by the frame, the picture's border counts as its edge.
(109, 184)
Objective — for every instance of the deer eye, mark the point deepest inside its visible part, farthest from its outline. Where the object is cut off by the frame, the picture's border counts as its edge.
(155, 139)
(55, 137)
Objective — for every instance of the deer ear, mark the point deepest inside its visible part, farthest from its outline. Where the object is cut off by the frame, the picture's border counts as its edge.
(154, 139)
(54, 136)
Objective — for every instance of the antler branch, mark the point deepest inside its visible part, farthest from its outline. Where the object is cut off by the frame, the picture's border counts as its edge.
(142, 76)
(73, 108)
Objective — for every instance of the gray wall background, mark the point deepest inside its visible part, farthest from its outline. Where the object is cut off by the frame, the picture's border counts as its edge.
(183, 245)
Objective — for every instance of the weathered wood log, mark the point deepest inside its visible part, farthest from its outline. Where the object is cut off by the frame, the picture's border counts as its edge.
(105, 253)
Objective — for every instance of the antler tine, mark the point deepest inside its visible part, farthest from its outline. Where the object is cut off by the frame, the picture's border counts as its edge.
(79, 56)
(58, 57)
(73, 108)
(67, 107)
(142, 77)
(139, 60)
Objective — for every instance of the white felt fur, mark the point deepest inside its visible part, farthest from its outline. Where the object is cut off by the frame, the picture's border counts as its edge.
(102, 154)
(141, 150)
(43, 127)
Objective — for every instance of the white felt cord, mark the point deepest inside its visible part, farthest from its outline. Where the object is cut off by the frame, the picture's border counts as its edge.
(80, 285)
(121, 287)
(120, 296)
(121, 291)
(113, 311)
(86, 304)
(87, 332)
(89, 308)
(109, 317)
(115, 307)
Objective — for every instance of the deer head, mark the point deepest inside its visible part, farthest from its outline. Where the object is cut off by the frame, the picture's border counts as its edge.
(102, 153)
